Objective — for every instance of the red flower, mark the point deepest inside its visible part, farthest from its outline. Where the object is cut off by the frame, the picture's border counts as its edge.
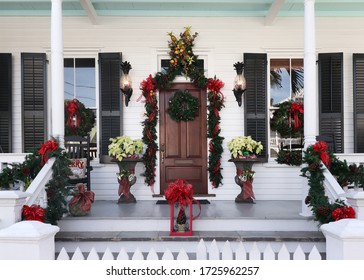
(45, 149)
(179, 191)
(346, 212)
(34, 213)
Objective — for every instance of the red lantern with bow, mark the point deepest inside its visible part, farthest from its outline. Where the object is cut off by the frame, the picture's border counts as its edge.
(180, 194)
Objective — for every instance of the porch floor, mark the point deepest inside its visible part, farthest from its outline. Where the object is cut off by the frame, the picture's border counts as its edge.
(220, 220)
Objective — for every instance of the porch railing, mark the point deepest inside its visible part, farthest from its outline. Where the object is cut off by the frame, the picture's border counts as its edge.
(202, 252)
(333, 190)
(9, 158)
(36, 189)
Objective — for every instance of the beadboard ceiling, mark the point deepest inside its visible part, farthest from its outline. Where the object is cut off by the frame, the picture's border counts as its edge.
(269, 9)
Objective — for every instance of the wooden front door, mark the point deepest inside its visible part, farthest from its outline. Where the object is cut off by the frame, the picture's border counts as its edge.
(183, 145)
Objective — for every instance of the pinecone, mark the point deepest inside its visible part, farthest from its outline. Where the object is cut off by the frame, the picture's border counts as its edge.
(307, 199)
(181, 218)
(314, 166)
(323, 211)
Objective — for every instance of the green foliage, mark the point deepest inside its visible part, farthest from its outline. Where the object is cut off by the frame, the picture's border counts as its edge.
(183, 106)
(283, 122)
(313, 171)
(290, 157)
(56, 189)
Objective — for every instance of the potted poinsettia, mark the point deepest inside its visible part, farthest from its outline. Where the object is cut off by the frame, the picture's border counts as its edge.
(124, 146)
(126, 152)
(244, 147)
(244, 151)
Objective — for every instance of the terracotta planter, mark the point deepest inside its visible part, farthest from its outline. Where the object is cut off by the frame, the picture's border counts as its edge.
(244, 179)
(126, 179)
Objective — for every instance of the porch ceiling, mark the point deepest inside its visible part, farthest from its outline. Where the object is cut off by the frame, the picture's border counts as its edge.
(174, 8)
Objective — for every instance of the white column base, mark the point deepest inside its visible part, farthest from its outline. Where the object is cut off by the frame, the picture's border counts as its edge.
(11, 205)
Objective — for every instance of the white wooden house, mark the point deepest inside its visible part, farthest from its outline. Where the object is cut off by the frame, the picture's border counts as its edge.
(59, 47)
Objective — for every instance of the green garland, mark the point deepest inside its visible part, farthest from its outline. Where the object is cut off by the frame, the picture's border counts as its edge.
(290, 157)
(56, 189)
(182, 61)
(322, 209)
(183, 106)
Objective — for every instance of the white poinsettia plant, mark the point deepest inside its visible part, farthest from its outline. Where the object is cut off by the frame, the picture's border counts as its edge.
(125, 147)
(244, 147)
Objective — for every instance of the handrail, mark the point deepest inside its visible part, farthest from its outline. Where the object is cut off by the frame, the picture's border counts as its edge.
(37, 188)
(332, 187)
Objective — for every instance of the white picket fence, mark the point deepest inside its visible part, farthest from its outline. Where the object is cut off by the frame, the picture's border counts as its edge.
(202, 252)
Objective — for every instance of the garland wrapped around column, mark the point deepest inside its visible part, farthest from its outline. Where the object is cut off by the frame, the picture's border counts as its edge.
(182, 61)
(148, 88)
(216, 100)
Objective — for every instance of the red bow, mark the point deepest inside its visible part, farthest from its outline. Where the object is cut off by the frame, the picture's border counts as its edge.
(295, 110)
(215, 85)
(321, 148)
(73, 114)
(33, 213)
(46, 149)
(345, 212)
(148, 85)
(179, 191)
(83, 198)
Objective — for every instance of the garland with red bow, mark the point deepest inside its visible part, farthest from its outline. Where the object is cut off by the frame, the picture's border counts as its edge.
(216, 103)
(46, 149)
(323, 210)
(163, 80)
(81, 202)
(33, 213)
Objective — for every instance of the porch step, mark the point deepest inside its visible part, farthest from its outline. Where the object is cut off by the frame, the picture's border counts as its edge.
(225, 216)
(155, 236)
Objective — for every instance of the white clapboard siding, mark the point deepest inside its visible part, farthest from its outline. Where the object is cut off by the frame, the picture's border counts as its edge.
(143, 39)
(201, 252)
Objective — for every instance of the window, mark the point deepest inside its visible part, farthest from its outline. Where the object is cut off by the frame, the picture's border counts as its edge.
(80, 83)
(286, 83)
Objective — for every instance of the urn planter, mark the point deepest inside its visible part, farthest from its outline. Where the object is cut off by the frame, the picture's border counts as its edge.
(126, 179)
(244, 178)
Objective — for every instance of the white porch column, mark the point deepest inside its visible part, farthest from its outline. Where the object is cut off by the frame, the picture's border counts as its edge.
(310, 99)
(57, 75)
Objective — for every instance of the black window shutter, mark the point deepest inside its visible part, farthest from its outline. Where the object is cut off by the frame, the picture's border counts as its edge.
(255, 99)
(110, 101)
(5, 102)
(34, 102)
(358, 91)
(331, 97)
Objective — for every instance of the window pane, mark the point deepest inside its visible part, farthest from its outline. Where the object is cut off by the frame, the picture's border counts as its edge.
(69, 78)
(297, 76)
(279, 80)
(85, 81)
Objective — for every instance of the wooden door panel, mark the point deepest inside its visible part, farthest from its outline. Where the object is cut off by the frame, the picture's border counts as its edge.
(183, 144)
